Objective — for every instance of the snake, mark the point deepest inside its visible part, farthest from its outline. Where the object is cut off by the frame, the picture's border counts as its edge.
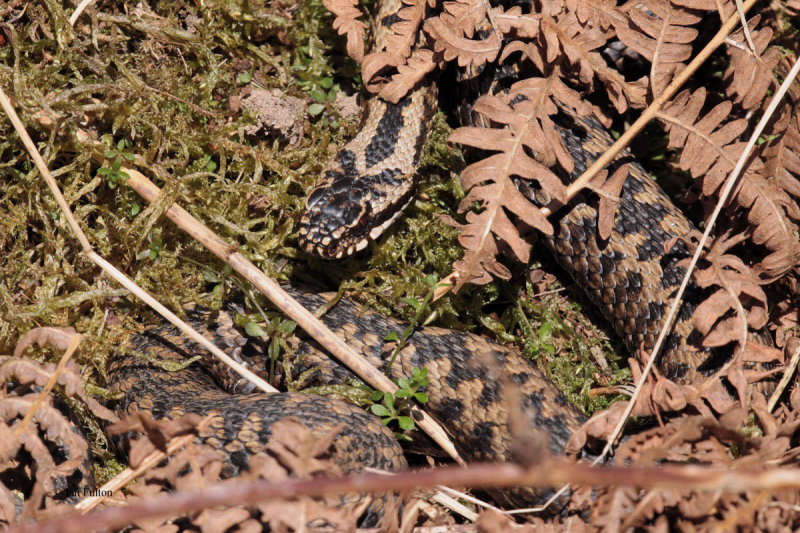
(476, 386)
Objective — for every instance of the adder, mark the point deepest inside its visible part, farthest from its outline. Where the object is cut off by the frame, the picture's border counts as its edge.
(629, 276)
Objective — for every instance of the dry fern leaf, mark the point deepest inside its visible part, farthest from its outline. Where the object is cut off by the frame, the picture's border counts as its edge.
(782, 171)
(293, 452)
(408, 75)
(705, 440)
(47, 459)
(737, 302)
(515, 23)
(26, 372)
(749, 77)
(453, 33)
(660, 32)
(710, 151)
(599, 13)
(396, 42)
(579, 42)
(347, 23)
(524, 127)
(724, 7)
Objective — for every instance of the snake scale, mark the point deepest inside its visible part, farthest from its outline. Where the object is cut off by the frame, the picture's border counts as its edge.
(629, 276)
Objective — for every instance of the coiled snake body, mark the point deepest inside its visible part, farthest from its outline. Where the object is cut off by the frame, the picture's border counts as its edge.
(629, 276)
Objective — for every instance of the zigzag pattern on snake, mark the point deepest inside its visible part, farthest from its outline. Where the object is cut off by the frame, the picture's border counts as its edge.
(629, 277)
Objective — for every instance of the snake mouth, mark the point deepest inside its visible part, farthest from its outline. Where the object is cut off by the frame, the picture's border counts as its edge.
(337, 237)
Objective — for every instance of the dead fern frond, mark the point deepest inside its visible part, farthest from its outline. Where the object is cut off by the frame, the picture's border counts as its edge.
(662, 33)
(396, 43)
(45, 460)
(408, 75)
(347, 23)
(526, 126)
(748, 77)
(580, 43)
(473, 52)
(737, 300)
(292, 451)
(597, 12)
(709, 151)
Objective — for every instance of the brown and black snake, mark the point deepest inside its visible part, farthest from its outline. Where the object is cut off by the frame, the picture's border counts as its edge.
(629, 276)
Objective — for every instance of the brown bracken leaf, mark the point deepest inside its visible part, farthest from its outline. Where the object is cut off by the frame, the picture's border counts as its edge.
(492, 195)
(347, 23)
(737, 300)
(749, 77)
(45, 461)
(662, 33)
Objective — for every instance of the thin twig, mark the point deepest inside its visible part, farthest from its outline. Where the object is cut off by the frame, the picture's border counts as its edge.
(78, 10)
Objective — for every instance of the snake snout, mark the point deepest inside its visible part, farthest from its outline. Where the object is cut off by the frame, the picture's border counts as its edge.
(335, 225)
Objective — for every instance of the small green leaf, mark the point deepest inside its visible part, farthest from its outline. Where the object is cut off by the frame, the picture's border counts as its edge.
(318, 95)
(403, 393)
(245, 77)
(274, 350)
(135, 209)
(326, 83)
(287, 326)
(316, 109)
(377, 396)
(388, 400)
(105, 171)
(392, 337)
(545, 331)
(110, 154)
(379, 410)
(405, 423)
(253, 329)
(403, 383)
(421, 397)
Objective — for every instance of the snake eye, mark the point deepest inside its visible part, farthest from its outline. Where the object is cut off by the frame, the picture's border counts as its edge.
(362, 224)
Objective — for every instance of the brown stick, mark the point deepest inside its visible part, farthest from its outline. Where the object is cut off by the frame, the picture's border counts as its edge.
(549, 472)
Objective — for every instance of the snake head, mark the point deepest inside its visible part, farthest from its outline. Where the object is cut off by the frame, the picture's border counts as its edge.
(371, 180)
(346, 213)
